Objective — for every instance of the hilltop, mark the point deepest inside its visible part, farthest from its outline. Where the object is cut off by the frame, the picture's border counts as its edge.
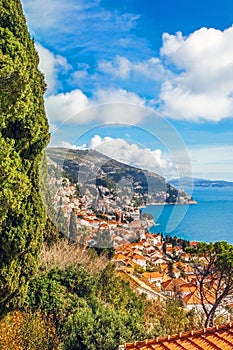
(118, 183)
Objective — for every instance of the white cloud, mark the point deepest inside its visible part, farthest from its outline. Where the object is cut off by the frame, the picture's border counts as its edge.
(203, 84)
(63, 106)
(51, 14)
(71, 23)
(118, 95)
(195, 73)
(79, 75)
(131, 153)
(50, 65)
(104, 106)
(121, 67)
(67, 145)
(97, 140)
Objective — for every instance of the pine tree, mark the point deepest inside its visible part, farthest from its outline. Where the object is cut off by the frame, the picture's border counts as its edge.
(61, 221)
(23, 137)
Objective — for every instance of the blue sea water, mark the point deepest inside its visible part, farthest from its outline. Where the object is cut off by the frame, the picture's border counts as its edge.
(210, 220)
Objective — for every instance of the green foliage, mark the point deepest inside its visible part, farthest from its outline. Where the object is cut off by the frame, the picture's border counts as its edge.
(170, 269)
(139, 269)
(73, 227)
(91, 312)
(61, 222)
(59, 289)
(29, 330)
(78, 329)
(23, 136)
(103, 244)
(51, 233)
(113, 290)
(99, 310)
(213, 264)
(101, 328)
(174, 320)
(162, 318)
(38, 331)
(177, 241)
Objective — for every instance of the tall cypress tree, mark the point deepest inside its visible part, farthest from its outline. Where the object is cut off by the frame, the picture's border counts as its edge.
(23, 137)
(73, 227)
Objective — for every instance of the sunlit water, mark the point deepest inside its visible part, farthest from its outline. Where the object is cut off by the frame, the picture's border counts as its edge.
(210, 220)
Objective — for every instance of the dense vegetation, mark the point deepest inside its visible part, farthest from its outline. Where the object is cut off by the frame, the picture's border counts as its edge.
(213, 263)
(78, 301)
(23, 136)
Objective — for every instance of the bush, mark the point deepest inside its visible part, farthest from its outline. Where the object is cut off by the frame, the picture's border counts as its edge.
(27, 330)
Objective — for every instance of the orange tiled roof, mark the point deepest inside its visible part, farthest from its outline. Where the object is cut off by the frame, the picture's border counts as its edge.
(137, 257)
(119, 256)
(149, 275)
(188, 288)
(194, 299)
(216, 338)
(173, 283)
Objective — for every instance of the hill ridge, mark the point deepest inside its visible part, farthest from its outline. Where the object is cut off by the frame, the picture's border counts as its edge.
(91, 169)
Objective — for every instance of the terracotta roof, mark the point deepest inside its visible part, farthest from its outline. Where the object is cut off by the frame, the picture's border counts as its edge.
(155, 274)
(119, 256)
(169, 249)
(216, 338)
(194, 299)
(172, 284)
(130, 262)
(186, 255)
(188, 288)
(138, 257)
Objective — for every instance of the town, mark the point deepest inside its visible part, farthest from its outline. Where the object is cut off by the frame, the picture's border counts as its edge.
(158, 267)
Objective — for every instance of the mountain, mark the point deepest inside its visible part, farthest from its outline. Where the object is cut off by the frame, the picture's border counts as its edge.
(104, 177)
(197, 182)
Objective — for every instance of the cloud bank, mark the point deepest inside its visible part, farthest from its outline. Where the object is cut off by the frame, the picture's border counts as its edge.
(105, 106)
(131, 153)
(195, 75)
(202, 87)
(51, 65)
(122, 67)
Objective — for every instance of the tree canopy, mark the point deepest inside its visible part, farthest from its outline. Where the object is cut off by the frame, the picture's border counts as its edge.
(23, 136)
(213, 264)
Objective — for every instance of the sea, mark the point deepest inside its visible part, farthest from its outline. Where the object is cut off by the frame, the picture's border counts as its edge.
(208, 221)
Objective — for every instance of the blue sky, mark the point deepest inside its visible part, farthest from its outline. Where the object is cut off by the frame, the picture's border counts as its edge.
(142, 81)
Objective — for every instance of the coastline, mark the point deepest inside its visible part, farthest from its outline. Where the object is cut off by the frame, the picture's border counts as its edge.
(165, 203)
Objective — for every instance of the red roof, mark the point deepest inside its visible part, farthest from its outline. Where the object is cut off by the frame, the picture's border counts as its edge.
(172, 284)
(150, 275)
(216, 338)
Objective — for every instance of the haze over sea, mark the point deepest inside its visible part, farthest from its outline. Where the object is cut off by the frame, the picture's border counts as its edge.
(210, 220)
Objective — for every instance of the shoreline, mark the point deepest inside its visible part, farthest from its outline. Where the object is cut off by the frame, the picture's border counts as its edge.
(165, 203)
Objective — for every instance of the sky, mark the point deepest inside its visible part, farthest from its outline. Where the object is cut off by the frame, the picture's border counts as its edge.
(147, 82)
